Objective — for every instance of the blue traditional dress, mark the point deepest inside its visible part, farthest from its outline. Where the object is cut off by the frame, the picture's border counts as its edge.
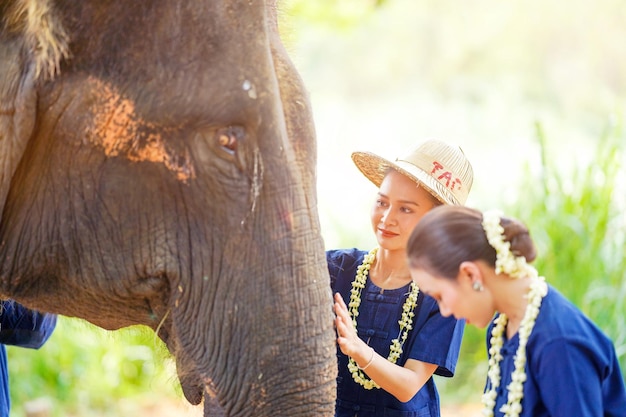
(572, 368)
(433, 339)
(22, 327)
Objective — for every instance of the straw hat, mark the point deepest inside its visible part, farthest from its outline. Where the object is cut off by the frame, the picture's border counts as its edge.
(442, 169)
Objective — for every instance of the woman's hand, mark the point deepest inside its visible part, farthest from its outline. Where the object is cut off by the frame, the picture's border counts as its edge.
(347, 338)
(401, 382)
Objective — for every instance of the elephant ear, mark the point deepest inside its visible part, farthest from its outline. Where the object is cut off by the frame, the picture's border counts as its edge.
(32, 45)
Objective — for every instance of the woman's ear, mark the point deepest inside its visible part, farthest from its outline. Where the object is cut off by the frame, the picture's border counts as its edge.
(470, 275)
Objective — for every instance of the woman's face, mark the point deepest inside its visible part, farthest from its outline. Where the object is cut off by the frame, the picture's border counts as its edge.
(398, 208)
(456, 297)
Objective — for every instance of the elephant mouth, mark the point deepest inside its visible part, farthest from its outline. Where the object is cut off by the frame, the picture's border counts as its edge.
(190, 382)
(192, 387)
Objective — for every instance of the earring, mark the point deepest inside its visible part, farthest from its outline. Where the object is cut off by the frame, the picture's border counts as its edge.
(477, 286)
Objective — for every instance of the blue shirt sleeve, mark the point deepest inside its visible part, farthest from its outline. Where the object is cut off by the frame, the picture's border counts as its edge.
(21, 326)
(437, 338)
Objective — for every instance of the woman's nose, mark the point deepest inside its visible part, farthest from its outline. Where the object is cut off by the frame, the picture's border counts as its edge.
(385, 217)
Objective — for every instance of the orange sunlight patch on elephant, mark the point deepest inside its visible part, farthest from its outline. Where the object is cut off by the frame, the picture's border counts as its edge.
(120, 132)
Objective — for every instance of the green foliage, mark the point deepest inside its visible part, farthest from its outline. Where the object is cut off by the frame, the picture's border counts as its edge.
(338, 14)
(576, 217)
(85, 370)
(330, 16)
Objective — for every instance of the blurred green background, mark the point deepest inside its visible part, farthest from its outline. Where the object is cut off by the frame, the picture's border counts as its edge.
(534, 93)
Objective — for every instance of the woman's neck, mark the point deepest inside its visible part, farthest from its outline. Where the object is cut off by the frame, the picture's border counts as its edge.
(390, 269)
(513, 300)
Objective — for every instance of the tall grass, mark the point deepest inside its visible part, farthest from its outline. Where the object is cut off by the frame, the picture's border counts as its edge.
(577, 217)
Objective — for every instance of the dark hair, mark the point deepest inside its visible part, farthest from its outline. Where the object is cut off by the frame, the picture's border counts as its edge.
(449, 235)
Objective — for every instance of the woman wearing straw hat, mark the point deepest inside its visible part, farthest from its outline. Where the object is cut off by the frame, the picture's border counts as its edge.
(390, 337)
(545, 357)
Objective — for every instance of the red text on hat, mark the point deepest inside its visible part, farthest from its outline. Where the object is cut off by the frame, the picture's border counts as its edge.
(446, 175)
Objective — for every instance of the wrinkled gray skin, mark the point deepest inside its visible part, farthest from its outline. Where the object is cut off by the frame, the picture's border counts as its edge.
(157, 167)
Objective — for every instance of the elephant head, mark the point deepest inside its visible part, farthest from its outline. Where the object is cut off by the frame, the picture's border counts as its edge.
(157, 167)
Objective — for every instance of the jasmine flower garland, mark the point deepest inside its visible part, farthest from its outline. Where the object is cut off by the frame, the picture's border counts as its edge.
(506, 261)
(515, 267)
(406, 322)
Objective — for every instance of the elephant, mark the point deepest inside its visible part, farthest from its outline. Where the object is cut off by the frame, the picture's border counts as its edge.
(158, 168)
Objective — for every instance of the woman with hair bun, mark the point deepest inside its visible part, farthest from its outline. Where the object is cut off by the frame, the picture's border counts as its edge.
(546, 358)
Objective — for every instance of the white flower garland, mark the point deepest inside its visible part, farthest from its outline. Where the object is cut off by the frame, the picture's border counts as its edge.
(406, 322)
(506, 261)
(515, 267)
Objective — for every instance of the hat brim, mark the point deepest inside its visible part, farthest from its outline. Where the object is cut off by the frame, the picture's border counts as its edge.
(375, 168)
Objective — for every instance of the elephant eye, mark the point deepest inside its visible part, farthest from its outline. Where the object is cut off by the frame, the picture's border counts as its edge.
(228, 138)
(228, 142)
